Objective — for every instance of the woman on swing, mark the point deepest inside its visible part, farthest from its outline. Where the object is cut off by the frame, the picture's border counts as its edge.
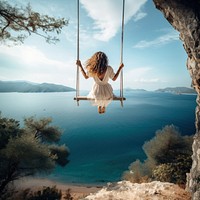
(98, 68)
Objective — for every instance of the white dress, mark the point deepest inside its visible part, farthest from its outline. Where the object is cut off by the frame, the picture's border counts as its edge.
(102, 91)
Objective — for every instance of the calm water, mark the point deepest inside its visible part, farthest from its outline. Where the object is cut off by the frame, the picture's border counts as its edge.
(103, 146)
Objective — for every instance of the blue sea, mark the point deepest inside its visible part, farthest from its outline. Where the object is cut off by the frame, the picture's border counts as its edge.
(103, 146)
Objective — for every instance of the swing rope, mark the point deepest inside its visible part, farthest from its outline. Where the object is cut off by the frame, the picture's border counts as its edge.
(121, 98)
(78, 50)
(121, 53)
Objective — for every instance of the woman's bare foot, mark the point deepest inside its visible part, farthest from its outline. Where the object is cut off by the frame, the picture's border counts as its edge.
(99, 109)
(103, 109)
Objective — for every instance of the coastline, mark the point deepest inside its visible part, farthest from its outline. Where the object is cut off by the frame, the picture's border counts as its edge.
(77, 191)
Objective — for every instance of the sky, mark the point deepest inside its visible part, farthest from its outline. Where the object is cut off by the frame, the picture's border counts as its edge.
(153, 55)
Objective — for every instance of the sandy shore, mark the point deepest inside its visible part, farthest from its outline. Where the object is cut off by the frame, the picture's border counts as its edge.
(35, 184)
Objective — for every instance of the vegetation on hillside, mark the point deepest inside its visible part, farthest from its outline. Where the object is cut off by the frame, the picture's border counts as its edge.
(23, 86)
(168, 158)
(28, 150)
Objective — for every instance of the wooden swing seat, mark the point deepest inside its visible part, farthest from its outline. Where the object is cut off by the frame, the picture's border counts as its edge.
(87, 98)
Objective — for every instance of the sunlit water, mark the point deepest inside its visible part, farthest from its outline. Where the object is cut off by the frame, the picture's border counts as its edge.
(103, 146)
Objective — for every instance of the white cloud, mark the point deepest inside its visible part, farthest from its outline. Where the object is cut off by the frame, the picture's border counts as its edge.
(138, 72)
(30, 55)
(85, 35)
(142, 77)
(151, 80)
(139, 16)
(107, 15)
(162, 40)
(34, 65)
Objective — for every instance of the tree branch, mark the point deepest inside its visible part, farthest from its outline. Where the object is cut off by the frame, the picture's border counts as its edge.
(28, 21)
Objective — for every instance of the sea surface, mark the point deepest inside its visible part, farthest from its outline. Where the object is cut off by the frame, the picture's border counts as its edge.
(103, 146)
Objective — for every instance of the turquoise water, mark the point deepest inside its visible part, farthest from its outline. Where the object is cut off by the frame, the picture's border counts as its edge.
(103, 146)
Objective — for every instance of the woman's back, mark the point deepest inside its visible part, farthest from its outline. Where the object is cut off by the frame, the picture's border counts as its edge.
(104, 78)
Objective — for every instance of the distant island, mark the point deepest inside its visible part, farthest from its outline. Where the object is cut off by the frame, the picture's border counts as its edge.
(177, 90)
(134, 90)
(24, 86)
(173, 90)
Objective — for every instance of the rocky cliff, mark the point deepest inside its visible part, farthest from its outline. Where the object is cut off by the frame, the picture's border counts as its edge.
(184, 16)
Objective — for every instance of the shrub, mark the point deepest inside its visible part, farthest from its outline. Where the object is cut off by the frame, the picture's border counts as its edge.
(47, 193)
(173, 172)
(136, 173)
(168, 158)
(68, 195)
(29, 150)
(167, 143)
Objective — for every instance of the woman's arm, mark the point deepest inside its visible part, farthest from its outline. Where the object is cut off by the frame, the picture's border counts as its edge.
(118, 71)
(78, 62)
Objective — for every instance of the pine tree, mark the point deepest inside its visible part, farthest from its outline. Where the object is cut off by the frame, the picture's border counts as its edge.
(29, 150)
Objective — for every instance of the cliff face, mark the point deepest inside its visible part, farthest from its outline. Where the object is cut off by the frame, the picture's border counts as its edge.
(184, 16)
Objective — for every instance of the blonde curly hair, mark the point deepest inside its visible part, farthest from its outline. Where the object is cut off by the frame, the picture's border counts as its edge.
(97, 64)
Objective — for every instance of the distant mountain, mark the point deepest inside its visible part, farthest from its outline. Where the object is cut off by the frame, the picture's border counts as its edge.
(23, 86)
(134, 90)
(177, 90)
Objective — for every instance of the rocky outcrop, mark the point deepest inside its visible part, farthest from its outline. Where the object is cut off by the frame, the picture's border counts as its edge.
(145, 191)
(184, 16)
